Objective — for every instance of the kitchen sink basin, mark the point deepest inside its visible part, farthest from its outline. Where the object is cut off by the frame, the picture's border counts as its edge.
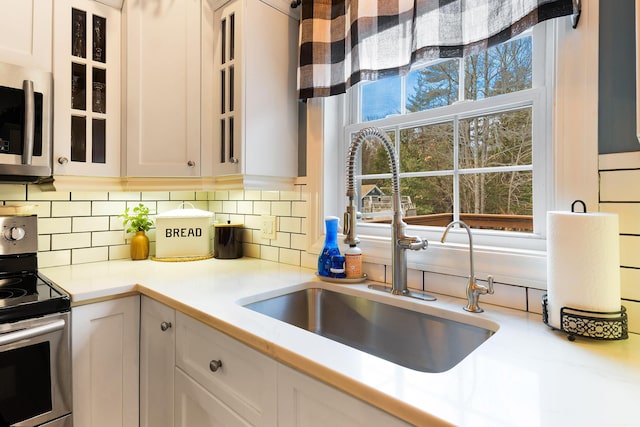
(412, 339)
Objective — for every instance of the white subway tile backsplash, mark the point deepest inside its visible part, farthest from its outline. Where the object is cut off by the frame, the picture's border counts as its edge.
(54, 225)
(253, 222)
(221, 195)
(299, 242)
(108, 208)
(89, 223)
(630, 283)
(182, 195)
(44, 242)
(85, 227)
(251, 250)
(245, 207)
(534, 300)
(633, 315)
(630, 251)
(54, 258)
(290, 195)
(115, 223)
(299, 209)
(117, 195)
(215, 206)
(81, 256)
(281, 208)
(262, 208)
(70, 241)
(309, 260)
(252, 195)
(628, 215)
(155, 195)
(614, 186)
(289, 256)
(34, 192)
(13, 192)
(291, 225)
(269, 253)
(90, 195)
(230, 206)
(236, 195)
(107, 238)
(119, 252)
(282, 240)
(59, 209)
(270, 195)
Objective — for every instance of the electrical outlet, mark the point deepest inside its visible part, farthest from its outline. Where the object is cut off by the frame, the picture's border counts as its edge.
(268, 229)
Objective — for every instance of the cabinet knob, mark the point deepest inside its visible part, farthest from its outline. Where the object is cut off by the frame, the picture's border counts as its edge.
(63, 160)
(191, 163)
(214, 365)
(234, 160)
(165, 325)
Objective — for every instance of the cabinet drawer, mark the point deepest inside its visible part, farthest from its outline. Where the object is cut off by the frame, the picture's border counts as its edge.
(245, 379)
(195, 406)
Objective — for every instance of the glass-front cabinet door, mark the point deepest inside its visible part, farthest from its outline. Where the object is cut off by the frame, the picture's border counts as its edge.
(87, 89)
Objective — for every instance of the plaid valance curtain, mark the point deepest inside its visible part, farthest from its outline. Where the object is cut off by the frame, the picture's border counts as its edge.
(345, 41)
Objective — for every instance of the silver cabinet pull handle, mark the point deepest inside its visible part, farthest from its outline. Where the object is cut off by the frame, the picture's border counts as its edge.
(165, 325)
(214, 365)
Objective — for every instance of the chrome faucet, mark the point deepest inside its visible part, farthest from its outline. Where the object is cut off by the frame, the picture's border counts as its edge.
(474, 290)
(400, 241)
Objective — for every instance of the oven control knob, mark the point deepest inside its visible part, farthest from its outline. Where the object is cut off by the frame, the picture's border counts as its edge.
(14, 233)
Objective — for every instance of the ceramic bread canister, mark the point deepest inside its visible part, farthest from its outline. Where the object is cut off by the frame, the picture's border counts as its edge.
(183, 232)
(227, 240)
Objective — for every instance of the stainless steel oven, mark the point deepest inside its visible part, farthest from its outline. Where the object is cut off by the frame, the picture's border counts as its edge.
(25, 123)
(35, 372)
(35, 359)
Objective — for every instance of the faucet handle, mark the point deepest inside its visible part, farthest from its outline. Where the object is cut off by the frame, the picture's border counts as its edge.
(490, 284)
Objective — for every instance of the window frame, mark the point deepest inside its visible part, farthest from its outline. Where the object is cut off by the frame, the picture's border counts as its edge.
(571, 171)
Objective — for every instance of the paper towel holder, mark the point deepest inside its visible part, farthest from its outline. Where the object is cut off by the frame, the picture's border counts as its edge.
(597, 325)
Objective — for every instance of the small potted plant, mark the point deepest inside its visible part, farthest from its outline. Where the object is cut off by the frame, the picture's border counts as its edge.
(138, 222)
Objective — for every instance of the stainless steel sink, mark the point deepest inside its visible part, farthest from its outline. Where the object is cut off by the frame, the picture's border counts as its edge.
(408, 338)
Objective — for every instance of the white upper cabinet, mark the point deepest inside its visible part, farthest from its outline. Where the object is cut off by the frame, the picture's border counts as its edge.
(165, 50)
(255, 104)
(25, 33)
(87, 86)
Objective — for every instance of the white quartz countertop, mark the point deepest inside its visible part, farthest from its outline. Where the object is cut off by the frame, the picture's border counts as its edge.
(524, 375)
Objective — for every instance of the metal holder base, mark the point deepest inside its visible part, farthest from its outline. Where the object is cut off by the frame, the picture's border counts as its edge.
(597, 325)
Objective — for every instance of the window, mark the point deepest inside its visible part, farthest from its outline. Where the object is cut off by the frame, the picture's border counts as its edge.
(562, 100)
(463, 130)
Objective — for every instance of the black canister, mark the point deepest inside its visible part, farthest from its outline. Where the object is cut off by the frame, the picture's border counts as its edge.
(227, 243)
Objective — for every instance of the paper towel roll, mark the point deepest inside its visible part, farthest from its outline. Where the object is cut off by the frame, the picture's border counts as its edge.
(583, 262)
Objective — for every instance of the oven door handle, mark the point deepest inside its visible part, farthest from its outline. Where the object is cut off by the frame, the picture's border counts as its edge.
(28, 333)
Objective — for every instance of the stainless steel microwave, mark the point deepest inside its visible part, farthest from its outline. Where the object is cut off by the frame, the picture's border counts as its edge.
(25, 124)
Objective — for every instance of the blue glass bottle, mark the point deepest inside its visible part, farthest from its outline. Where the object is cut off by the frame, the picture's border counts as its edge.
(330, 246)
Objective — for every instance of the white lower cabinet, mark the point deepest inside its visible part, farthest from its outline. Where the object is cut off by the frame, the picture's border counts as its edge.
(306, 402)
(195, 406)
(214, 380)
(157, 361)
(242, 380)
(105, 339)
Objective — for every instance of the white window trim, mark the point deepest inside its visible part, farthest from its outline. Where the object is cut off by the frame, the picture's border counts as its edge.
(517, 258)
